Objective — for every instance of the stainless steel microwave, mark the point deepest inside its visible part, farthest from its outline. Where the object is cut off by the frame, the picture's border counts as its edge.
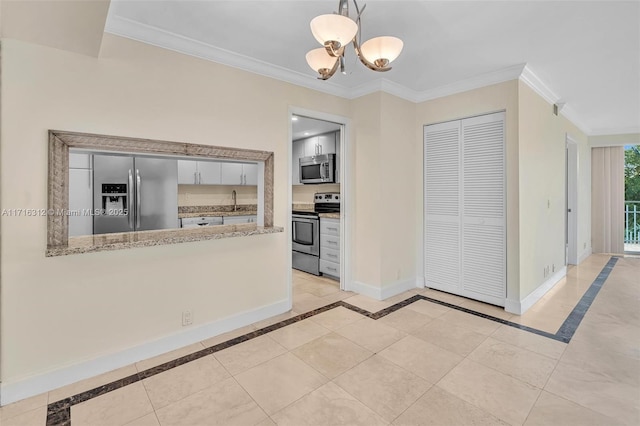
(318, 169)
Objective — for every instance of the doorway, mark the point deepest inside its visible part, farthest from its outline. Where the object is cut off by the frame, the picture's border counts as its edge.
(632, 199)
(571, 201)
(318, 152)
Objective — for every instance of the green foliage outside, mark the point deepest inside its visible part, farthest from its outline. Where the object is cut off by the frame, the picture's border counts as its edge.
(632, 193)
(632, 173)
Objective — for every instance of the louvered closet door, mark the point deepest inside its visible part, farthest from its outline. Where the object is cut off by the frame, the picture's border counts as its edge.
(464, 187)
(483, 209)
(442, 206)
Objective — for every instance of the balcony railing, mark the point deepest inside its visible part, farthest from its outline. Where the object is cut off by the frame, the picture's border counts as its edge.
(632, 222)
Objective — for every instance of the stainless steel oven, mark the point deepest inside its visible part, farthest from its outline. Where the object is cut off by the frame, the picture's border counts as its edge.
(306, 241)
(318, 169)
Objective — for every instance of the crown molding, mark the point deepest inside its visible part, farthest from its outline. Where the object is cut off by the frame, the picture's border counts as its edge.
(165, 39)
(482, 80)
(148, 34)
(616, 131)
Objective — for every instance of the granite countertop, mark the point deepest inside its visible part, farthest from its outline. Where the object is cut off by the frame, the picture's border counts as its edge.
(217, 211)
(311, 207)
(330, 215)
(126, 240)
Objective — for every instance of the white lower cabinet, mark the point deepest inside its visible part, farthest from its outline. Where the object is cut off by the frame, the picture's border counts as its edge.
(230, 220)
(330, 246)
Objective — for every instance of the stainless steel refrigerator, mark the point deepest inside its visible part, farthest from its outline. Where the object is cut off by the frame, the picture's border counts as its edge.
(132, 193)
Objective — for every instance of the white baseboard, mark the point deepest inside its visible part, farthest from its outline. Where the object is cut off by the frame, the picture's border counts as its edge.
(520, 307)
(382, 293)
(586, 253)
(35, 385)
(420, 282)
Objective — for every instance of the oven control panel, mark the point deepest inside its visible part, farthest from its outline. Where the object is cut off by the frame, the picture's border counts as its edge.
(327, 197)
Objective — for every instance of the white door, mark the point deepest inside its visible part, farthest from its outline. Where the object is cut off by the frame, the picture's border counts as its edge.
(572, 203)
(465, 236)
(483, 209)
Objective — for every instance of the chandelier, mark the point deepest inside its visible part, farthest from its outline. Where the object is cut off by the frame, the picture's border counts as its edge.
(336, 31)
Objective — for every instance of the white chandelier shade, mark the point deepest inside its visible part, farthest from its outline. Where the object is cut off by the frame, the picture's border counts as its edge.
(382, 49)
(318, 59)
(327, 28)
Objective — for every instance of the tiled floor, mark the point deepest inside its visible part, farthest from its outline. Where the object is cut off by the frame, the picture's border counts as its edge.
(422, 364)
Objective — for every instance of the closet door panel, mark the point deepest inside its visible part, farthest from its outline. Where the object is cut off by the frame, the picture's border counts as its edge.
(442, 206)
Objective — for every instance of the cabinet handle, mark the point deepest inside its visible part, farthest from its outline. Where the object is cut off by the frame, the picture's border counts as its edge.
(331, 255)
(333, 229)
(332, 269)
(333, 242)
(199, 178)
(195, 177)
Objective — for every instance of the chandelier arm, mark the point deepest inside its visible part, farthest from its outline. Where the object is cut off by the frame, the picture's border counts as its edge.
(326, 74)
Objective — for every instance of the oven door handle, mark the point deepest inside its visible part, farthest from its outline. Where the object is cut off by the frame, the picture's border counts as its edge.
(294, 230)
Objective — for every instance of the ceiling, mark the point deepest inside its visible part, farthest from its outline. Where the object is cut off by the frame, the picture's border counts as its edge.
(305, 127)
(583, 53)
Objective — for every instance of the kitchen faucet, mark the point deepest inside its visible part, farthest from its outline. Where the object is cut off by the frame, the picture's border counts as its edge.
(234, 196)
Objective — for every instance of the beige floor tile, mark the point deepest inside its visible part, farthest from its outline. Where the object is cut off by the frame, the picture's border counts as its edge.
(421, 358)
(383, 386)
(332, 354)
(448, 336)
(405, 320)
(472, 322)
(544, 316)
(298, 334)
(34, 417)
(180, 382)
(115, 408)
(23, 406)
(319, 288)
(428, 308)
(335, 297)
(308, 302)
(221, 338)
(371, 334)
(595, 390)
(367, 303)
(91, 383)
(169, 356)
(275, 319)
(501, 395)
(267, 422)
(279, 382)
(328, 405)
(248, 354)
(533, 342)
(485, 308)
(225, 403)
(444, 297)
(336, 318)
(553, 410)
(517, 362)
(439, 408)
(148, 420)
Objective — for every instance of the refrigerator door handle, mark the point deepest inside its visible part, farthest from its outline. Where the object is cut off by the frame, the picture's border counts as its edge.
(129, 194)
(138, 201)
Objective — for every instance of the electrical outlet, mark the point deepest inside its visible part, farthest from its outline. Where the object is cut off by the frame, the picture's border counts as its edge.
(187, 318)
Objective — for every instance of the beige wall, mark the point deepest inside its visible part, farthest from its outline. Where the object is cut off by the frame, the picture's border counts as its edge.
(396, 178)
(63, 310)
(615, 140)
(498, 97)
(216, 195)
(304, 193)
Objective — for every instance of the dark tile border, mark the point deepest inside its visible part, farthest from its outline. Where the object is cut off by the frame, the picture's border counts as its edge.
(59, 412)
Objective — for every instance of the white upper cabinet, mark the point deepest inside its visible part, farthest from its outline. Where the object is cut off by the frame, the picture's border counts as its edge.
(250, 174)
(239, 174)
(298, 152)
(327, 143)
(187, 172)
(209, 173)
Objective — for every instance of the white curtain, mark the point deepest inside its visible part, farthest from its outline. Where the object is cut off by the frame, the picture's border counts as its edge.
(607, 199)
